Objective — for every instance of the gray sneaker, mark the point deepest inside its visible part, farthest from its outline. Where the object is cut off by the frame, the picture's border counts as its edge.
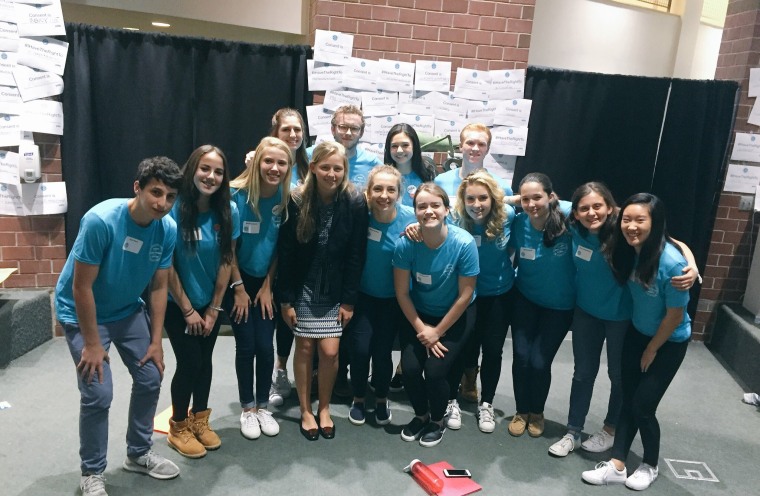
(153, 464)
(93, 485)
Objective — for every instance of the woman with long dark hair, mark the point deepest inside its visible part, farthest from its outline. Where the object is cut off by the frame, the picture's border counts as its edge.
(403, 151)
(207, 225)
(645, 258)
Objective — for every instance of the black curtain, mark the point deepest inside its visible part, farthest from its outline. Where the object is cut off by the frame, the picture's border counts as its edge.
(662, 135)
(131, 95)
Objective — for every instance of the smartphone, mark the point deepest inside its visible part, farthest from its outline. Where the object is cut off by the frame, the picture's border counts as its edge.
(456, 472)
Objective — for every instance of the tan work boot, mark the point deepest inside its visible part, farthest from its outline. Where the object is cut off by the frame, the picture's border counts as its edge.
(468, 388)
(182, 439)
(203, 432)
(535, 424)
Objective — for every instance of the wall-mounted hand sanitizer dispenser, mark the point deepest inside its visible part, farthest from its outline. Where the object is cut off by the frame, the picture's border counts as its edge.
(29, 162)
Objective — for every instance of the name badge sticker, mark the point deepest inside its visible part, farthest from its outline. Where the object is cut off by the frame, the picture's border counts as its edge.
(424, 278)
(251, 227)
(477, 240)
(132, 245)
(374, 234)
(528, 253)
(584, 253)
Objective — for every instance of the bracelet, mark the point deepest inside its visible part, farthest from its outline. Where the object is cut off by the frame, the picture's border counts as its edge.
(218, 309)
(189, 312)
(239, 282)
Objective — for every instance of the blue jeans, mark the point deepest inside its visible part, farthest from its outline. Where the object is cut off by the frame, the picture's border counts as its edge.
(537, 333)
(371, 334)
(131, 336)
(253, 339)
(589, 334)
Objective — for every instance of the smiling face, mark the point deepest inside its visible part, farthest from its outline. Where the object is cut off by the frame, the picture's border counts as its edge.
(153, 201)
(382, 193)
(273, 167)
(291, 131)
(592, 212)
(209, 174)
(347, 130)
(477, 203)
(430, 209)
(474, 147)
(636, 224)
(534, 200)
(329, 173)
(401, 149)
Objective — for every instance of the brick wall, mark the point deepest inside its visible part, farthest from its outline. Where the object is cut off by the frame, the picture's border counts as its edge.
(482, 35)
(35, 245)
(730, 255)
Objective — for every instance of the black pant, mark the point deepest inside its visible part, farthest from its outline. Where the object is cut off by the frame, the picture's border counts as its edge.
(426, 378)
(194, 367)
(642, 393)
(371, 333)
(494, 315)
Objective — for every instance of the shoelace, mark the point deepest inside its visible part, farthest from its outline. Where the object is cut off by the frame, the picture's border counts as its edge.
(486, 415)
(152, 459)
(452, 410)
(265, 417)
(97, 481)
(249, 419)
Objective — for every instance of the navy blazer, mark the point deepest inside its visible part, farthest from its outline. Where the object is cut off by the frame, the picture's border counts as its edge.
(346, 248)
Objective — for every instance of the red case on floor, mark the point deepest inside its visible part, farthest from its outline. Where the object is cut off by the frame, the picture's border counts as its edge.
(454, 486)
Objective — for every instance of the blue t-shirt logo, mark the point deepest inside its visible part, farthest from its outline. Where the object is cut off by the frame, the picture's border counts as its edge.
(154, 255)
(560, 249)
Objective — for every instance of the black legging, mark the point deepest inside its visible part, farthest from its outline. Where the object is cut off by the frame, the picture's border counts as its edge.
(426, 379)
(194, 367)
(642, 392)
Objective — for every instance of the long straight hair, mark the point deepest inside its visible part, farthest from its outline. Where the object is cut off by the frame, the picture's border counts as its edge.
(417, 165)
(607, 230)
(555, 223)
(624, 255)
(307, 196)
(219, 202)
(497, 215)
(250, 179)
(301, 159)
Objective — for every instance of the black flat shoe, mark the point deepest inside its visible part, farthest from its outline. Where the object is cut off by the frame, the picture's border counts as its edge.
(310, 434)
(327, 432)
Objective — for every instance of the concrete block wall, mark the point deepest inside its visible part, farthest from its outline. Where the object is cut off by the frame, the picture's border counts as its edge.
(735, 231)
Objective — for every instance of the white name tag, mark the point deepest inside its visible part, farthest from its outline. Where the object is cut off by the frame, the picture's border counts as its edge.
(528, 253)
(251, 227)
(477, 240)
(584, 253)
(132, 245)
(424, 278)
(374, 234)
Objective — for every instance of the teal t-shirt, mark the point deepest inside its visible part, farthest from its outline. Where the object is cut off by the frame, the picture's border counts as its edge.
(496, 272)
(450, 182)
(435, 273)
(598, 292)
(258, 237)
(409, 184)
(377, 276)
(197, 270)
(650, 304)
(127, 255)
(545, 275)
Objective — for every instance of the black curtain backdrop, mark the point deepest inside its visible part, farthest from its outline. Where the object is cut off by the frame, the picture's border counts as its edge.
(636, 134)
(131, 95)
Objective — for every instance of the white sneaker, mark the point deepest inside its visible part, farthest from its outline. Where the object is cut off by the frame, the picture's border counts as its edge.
(249, 425)
(486, 422)
(751, 399)
(93, 485)
(598, 442)
(280, 387)
(268, 424)
(564, 446)
(453, 415)
(604, 473)
(153, 464)
(642, 478)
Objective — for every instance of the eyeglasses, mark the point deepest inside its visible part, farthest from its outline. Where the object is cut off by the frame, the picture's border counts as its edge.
(344, 128)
